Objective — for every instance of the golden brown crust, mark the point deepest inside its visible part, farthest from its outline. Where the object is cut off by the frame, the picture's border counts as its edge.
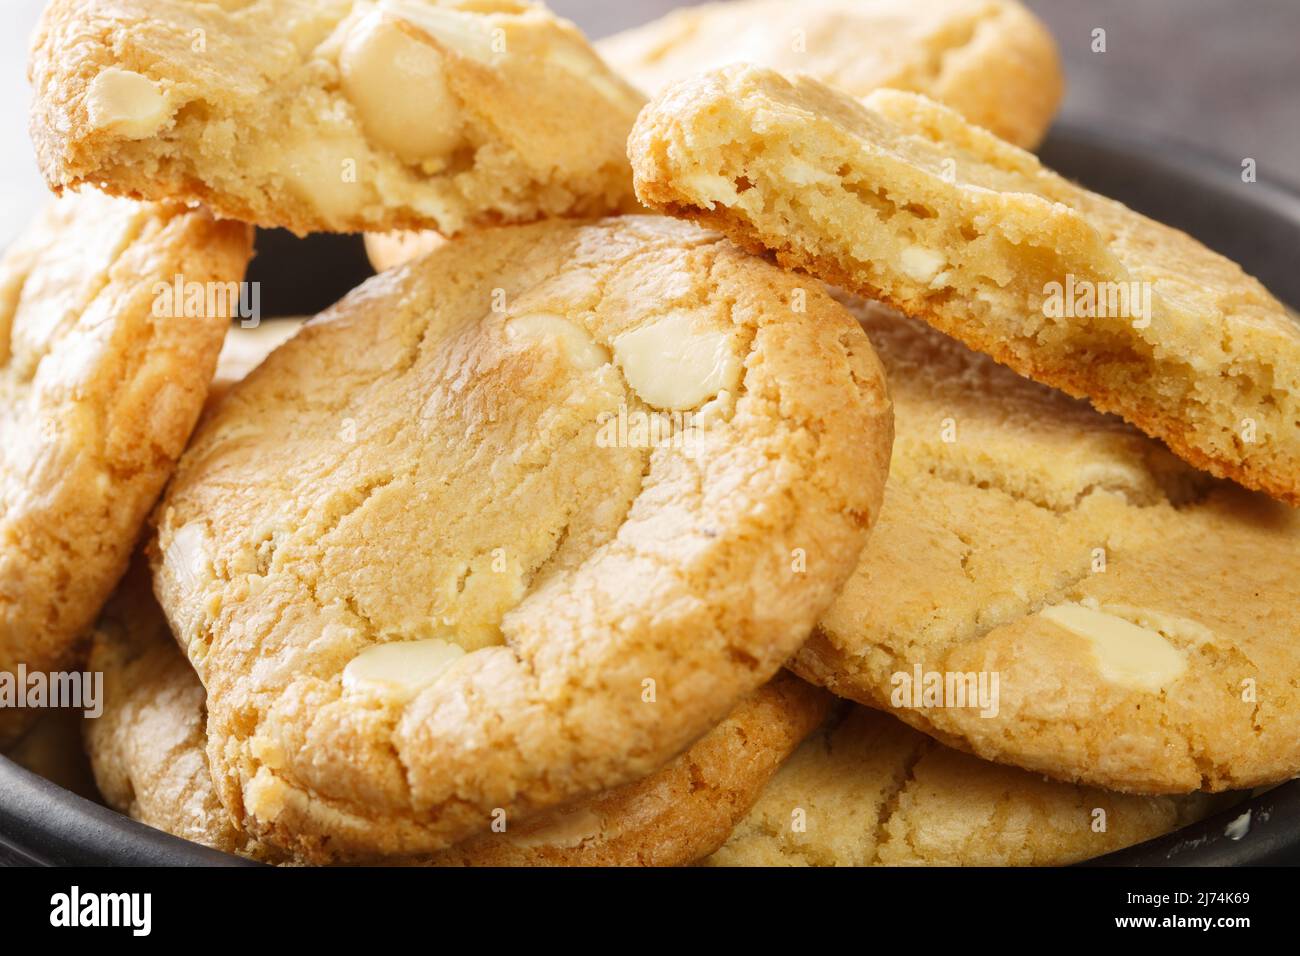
(991, 60)
(100, 395)
(149, 759)
(161, 100)
(678, 814)
(869, 791)
(1204, 358)
(580, 582)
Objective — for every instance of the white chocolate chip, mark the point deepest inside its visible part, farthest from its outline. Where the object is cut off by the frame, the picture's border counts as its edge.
(1126, 654)
(466, 33)
(801, 173)
(126, 103)
(1171, 625)
(709, 188)
(565, 831)
(317, 174)
(400, 669)
(397, 84)
(187, 554)
(673, 364)
(921, 264)
(578, 347)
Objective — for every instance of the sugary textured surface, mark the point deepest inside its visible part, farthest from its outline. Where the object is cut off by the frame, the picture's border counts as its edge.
(457, 457)
(97, 398)
(1006, 499)
(148, 753)
(246, 348)
(147, 748)
(901, 200)
(991, 60)
(867, 790)
(678, 814)
(335, 115)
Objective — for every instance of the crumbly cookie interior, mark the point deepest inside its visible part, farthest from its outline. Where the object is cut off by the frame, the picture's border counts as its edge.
(900, 200)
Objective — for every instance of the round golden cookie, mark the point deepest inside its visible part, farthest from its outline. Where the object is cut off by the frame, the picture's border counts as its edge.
(513, 524)
(101, 381)
(1137, 616)
(867, 790)
(991, 60)
(351, 115)
(148, 754)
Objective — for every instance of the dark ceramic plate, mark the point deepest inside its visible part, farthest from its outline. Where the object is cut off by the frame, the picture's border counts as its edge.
(1257, 224)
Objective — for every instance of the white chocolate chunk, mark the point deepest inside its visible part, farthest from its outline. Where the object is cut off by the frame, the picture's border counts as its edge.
(187, 552)
(567, 831)
(921, 264)
(578, 347)
(397, 84)
(673, 364)
(466, 33)
(400, 669)
(321, 173)
(1128, 655)
(126, 103)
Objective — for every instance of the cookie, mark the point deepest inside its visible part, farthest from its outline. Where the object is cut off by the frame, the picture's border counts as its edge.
(351, 115)
(991, 60)
(246, 348)
(513, 524)
(388, 249)
(678, 814)
(102, 377)
(1128, 621)
(867, 790)
(149, 759)
(147, 748)
(900, 199)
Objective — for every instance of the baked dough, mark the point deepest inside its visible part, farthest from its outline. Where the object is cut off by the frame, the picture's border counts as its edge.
(98, 395)
(425, 572)
(869, 791)
(333, 115)
(899, 199)
(991, 60)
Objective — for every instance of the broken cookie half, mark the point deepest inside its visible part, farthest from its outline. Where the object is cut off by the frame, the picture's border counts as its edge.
(337, 115)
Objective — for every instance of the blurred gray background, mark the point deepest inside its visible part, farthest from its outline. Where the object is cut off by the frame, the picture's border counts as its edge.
(1220, 75)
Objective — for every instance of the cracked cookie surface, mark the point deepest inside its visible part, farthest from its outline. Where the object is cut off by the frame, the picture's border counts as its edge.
(351, 115)
(99, 397)
(991, 60)
(899, 199)
(867, 790)
(1139, 616)
(148, 750)
(432, 558)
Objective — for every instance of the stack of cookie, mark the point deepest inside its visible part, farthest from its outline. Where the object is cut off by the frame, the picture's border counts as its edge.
(568, 539)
